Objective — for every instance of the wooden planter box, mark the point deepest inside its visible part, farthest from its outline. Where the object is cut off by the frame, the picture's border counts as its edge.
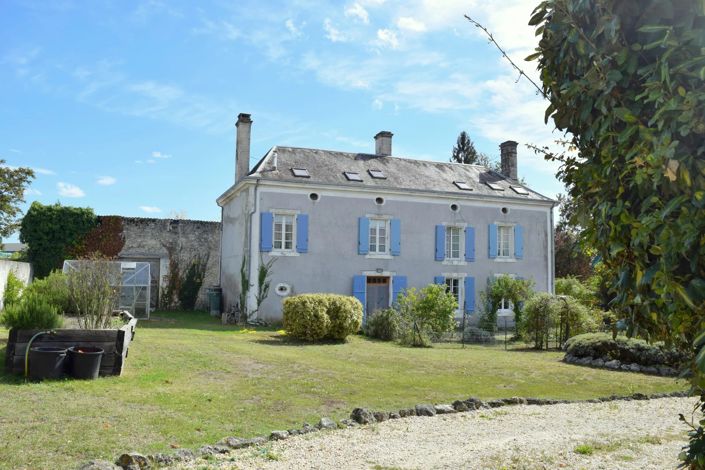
(115, 343)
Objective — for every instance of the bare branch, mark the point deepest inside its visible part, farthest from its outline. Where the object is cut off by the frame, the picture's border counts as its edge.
(504, 54)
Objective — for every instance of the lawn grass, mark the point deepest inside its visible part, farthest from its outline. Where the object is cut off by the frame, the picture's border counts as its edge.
(189, 381)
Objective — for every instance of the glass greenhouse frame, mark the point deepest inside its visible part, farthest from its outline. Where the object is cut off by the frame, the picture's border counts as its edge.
(134, 284)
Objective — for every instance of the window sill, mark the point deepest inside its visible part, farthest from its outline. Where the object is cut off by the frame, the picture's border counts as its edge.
(283, 253)
(505, 260)
(455, 262)
(378, 256)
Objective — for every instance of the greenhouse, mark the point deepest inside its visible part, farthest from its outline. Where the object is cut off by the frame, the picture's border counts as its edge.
(133, 280)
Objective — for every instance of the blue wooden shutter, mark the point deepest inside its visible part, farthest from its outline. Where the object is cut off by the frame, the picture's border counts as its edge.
(398, 287)
(359, 291)
(363, 236)
(265, 231)
(469, 294)
(493, 241)
(440, 242)
(518, 242)
(395, 225)
(439, 280)
(470, 244)
(302, 233)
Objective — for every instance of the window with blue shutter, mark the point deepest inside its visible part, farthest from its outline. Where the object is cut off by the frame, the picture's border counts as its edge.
(395, 228)
(518, 241)
(302, 233)
(470, 244)
(398, 287)
(265, 231)
(469, 294)
(359, 291)
(363, 236)
(439, 280)
(492, 240)
(440, 242)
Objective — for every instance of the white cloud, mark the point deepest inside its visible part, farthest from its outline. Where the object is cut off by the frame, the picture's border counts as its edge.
(43, 171)
(32, 192)
(150, 209)
(292, 28)
(388, 38)
(357, 11)
(69, 190)
(160, 155)
(377, 104)
(151, 161)
(411, 24)
(221, 29)
(332, 33)
(106, 181)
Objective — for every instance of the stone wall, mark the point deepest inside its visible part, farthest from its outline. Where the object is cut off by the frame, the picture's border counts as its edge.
(21, 270)
(148, 239)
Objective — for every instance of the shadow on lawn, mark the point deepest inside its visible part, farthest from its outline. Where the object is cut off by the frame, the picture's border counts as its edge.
(284, 340)
(194, 320)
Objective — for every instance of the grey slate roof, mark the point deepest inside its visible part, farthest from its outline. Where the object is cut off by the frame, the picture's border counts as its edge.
(328, 167)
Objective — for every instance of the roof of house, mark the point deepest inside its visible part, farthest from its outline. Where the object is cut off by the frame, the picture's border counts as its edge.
(330, 167)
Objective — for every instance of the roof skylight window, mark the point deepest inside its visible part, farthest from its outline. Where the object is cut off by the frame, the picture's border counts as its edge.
(462, 185)
(352, 176)
(520, 190)
(495, 186)
(377, 174)
(300, 172)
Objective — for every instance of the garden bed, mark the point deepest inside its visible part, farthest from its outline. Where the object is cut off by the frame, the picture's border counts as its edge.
(115, 343)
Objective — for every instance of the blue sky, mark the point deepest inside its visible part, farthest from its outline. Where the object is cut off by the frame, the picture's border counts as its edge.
(129, 107)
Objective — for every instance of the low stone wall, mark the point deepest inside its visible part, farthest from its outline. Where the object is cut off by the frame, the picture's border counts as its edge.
(22, 270)
(614, 364)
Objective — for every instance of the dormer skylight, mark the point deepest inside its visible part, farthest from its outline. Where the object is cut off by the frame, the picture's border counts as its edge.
(352, 176)
(494, 186)
(300, 172)
(520, 190)
(377, 174)
(462, 185)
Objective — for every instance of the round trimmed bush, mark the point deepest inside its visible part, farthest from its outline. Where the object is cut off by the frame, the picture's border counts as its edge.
(345, 314)
(305, 316)
(626, 350)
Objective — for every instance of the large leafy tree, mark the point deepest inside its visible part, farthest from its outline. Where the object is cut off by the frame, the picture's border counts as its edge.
(571, 258)
(13, 182)
(625, 79)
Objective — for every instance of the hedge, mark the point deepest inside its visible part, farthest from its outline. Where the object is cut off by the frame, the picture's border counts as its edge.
(312, 317)
(626, 350)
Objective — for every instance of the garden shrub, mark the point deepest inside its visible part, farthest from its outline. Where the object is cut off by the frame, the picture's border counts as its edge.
(55, 289)
(505, 287)
(32, 312)
(425, 314)
(574, 287)
(345, 314)
(191, 282)
(94, 286)
(384, 325)
(473, 334)
(626, 350)
(312, 317)
(13, 289)
(541, 313)
(305, 316)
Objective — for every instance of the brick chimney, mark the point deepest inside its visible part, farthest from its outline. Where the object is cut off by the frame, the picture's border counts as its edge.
(242, 146)
(508, 151)
(383, 143)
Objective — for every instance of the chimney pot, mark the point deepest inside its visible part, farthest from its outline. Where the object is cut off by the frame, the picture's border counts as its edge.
(383, 143)
(508, 152)
(242, 146)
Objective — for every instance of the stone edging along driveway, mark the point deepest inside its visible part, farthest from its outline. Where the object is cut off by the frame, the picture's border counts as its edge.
(359, 416)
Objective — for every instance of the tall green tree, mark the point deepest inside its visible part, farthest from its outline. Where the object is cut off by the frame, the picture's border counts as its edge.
(13, 182)
(571, 257)
(464, 150)
(625, 79)
(54, 233)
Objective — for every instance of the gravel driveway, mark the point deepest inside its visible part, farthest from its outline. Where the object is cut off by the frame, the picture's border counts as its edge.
(612, 435)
